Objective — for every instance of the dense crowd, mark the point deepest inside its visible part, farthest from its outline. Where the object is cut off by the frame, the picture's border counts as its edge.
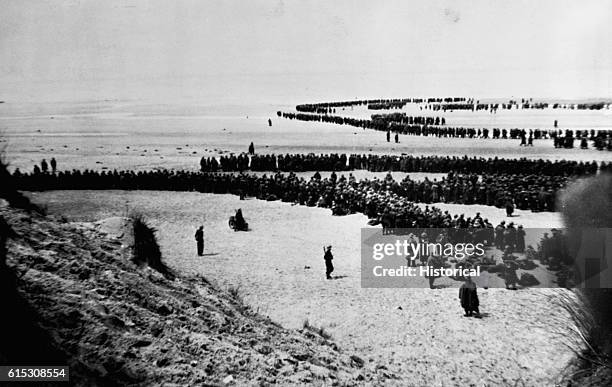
(378, 199)
(534, 192)
(405, 163)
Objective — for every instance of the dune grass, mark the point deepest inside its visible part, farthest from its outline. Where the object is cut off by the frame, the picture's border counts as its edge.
(146, 248)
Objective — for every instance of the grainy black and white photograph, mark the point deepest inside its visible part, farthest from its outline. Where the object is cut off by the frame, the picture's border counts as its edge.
(326, 193)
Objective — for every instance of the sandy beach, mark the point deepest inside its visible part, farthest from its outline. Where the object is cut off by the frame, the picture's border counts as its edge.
(278, 267)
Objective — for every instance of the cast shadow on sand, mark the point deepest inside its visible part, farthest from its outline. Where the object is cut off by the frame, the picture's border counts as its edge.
(337, 277)
(478, 316)
(440, 286)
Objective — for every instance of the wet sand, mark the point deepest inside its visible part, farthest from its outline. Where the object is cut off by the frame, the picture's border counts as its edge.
(117, 136)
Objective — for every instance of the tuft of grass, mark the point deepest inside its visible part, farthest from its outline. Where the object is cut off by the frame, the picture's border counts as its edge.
(234, 291)
(146, 248)
(589, 336)
(319, 331)
(236, 295)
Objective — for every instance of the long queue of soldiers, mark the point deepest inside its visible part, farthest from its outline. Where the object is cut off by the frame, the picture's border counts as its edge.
(400, 123)
(380, 123)
(449, 103)
(535, 192)
(405, 163)
(602, 140)
(493, 107)
(328, 107)
(378, 199)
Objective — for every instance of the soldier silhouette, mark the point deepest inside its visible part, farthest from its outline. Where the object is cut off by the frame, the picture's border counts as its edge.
(199, 237)
(328, 257)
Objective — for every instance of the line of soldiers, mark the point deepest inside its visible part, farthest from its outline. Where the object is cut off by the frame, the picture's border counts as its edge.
(383, 200)
(602, 139)
(379, 103)
(435, 127)
(384, 163)
(450, 103)
(524, 104)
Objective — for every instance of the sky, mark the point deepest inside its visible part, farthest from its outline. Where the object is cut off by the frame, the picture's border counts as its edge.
(312, 49)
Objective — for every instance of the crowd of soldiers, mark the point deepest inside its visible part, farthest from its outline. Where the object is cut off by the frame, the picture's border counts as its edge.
(526, 192)
(344, 196)
(404, 163)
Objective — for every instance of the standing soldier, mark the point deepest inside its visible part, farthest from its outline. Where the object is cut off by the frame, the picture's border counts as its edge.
(251, 149)
(328, 257)
(509, 206)
(388, 136)
(469, 298)
(269, 122)
(53, 164)
(510, 267)
(434, 263)
(44, 166)
(199, 237)
(520, 239)
(396, 138)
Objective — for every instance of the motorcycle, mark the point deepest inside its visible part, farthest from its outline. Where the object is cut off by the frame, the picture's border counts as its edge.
(235, 226)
